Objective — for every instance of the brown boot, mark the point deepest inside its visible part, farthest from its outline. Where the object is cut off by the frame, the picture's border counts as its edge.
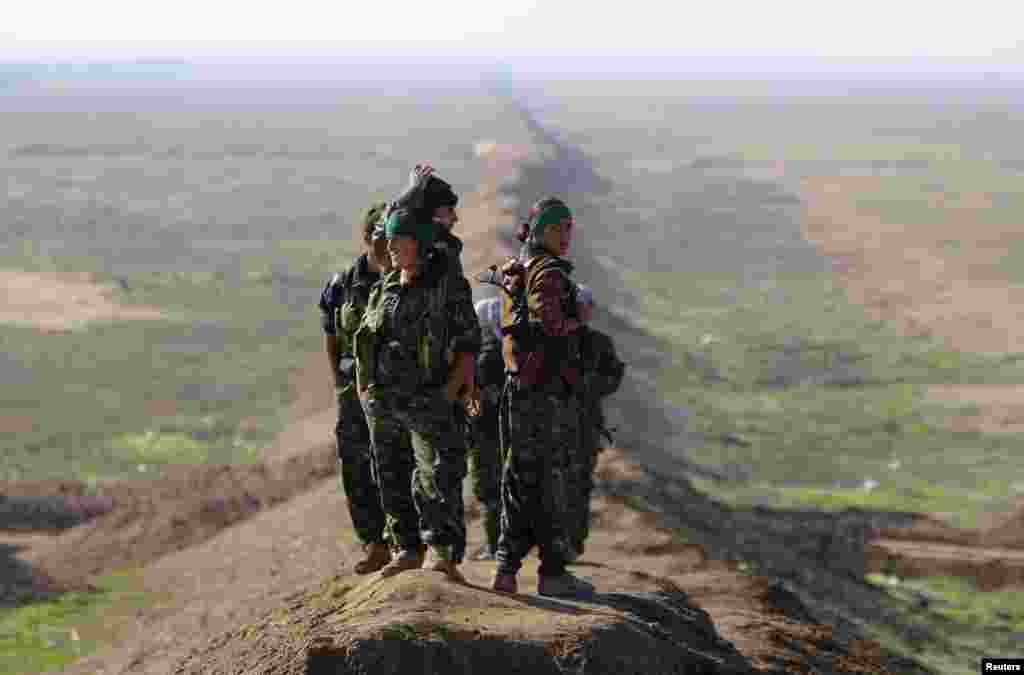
(407, 559)
(505, 583)
(440, 561)
(377, 555)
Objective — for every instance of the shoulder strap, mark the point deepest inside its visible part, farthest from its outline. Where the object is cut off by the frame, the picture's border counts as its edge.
(542, 266)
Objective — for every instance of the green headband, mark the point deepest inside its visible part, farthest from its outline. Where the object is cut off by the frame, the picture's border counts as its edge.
(554, 213)
(405, 224)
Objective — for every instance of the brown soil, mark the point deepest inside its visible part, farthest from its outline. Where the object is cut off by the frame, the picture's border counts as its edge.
(1000, 407)
(62, 302)
(660, 607)
(990, 568)
(901, 273)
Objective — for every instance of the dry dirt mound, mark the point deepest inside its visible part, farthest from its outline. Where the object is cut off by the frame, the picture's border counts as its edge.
(989, 568)
(260, 572)
(50, 512)
(184, 507)
(62, 302)
(1009, 531)
(419, 622)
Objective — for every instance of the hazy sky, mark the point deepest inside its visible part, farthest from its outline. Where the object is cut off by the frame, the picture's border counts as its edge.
(977, 31)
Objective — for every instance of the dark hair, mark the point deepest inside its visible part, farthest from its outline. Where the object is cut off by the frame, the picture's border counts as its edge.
(523, 230)
(438, 193)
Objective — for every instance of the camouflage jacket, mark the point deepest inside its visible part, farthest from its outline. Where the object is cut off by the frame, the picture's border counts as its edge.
(342, 303)
(409, 334)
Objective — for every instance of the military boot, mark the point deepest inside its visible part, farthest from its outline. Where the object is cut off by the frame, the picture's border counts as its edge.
(505, 583)
(563, 586)
(376, 556)
(407, 559)
(440, 560)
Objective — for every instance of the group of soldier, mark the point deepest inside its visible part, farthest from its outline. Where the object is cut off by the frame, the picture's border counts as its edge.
(429, 386)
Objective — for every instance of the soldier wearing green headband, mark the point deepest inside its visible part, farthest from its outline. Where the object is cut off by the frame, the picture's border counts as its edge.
(541, 355)
(418, 326)
(341, 305)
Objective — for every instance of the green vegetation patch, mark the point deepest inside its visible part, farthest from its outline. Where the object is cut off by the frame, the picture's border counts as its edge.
(970, 623)
(47, 636)
(163, 448)
(794, 383)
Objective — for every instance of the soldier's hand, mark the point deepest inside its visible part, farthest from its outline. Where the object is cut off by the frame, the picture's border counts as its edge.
(512, 268)
(472, 402)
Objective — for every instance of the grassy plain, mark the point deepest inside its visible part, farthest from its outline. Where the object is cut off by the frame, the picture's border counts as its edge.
(44, 636)
(779, 373)
(227, 209)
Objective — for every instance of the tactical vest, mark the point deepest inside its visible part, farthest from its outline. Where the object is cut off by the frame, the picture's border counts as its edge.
(380, 361)
(522, 331)
(349, 313)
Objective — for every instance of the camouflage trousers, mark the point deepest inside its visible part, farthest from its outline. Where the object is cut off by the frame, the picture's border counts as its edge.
(420, 455)
(580, 486)
(484, 460)
(355, 471)
(544, 426)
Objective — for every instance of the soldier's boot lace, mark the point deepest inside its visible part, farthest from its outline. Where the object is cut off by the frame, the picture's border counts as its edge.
(563, 586)
(407, 559)
(505, 583)
(376, 556)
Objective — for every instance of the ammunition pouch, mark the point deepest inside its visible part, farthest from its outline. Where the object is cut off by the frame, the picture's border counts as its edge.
(396, 365)
(346, 370)
(349, 317)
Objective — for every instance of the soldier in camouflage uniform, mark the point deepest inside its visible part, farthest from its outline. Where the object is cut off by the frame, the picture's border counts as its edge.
(541, 359)
(341, 305)
(602, 373)
(432, 199)
(484, 452)
(418, 324)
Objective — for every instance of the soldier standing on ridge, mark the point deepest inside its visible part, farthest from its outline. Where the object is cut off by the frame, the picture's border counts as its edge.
(418, 324)
(484, 449)
(341, 304)
(432, 200)
(540, 352)
(602, 373)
